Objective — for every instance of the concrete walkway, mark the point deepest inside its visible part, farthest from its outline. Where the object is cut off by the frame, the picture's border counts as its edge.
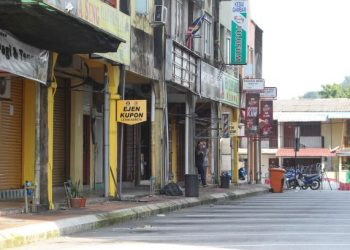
(19, 229)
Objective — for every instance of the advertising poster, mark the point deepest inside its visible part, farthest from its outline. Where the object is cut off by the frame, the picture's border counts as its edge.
(252, 114)
(266, 118)
(239, 28)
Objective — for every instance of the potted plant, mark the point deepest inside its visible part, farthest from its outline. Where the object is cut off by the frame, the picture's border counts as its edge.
(76, 200)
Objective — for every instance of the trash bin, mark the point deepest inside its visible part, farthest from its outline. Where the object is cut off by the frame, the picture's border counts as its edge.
(191, 185)
(224, 181)
(277, 179)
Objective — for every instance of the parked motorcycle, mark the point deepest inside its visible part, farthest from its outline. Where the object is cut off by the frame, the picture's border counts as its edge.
(303, 181)
(312, 180)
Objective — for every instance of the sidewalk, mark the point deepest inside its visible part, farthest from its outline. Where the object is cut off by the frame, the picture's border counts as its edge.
(20, 229)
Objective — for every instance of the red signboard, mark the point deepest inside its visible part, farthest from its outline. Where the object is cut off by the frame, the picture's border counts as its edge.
(252, 113)
(266, 118)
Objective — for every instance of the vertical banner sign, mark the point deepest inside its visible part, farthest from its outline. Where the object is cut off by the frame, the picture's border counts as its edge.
(225, 117)
(266, 118)
(239, 29)
(131, 111)
(252, 113)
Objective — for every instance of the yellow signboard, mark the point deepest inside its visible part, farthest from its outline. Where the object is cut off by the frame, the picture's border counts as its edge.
(131, 111)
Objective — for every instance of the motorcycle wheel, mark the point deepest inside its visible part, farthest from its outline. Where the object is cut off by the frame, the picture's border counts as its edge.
(315, 185)
(304, 187)
(292, 185)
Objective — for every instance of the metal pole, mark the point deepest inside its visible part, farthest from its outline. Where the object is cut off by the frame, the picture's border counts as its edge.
(121, 152)
(37, 144)
(106, 132)
(187, 136)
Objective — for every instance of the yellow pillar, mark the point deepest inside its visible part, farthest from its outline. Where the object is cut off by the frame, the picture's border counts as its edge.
(113, 80)
(50, 110)
(174, 149)
(28, 146)
(76, 135)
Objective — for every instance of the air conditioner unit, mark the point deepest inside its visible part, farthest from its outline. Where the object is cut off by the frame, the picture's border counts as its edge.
(5, 88)
(160, 14)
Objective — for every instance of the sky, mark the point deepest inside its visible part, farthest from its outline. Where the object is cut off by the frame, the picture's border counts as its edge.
(306, 43)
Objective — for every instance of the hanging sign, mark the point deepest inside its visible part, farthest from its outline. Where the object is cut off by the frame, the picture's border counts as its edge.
(266, 118)
(253, 85)
(269, 93)
(21, 59)
(252, 113)
(131, 111)
(239, 28)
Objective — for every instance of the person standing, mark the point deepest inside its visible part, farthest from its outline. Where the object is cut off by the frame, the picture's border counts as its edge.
(200, 155)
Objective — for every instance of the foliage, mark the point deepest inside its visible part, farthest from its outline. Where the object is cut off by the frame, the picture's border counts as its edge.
(75, 189)
(334, 90)
(311, 95)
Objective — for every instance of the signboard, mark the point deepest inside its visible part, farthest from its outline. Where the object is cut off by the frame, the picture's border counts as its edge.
(131, 111)
(269, 93)
(104, 17)
(21, 59)
(210, 84)
(266, 118)
(252, 113)
(230, 89)
(239, 30)
(253, 85)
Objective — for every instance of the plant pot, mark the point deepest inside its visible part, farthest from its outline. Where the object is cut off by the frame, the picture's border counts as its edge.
(77, 202)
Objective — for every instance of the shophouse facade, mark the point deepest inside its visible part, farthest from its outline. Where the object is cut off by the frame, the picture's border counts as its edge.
(324, 129)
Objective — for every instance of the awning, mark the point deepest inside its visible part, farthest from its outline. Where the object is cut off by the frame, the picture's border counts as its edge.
(300, 116)
(343, 152)
(304, 152)
(45, 27)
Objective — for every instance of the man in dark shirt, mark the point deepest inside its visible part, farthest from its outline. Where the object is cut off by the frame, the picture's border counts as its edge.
(200, 155)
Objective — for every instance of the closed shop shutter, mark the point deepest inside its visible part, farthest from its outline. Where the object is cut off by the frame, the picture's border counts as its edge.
(11, 137)
(59, 137)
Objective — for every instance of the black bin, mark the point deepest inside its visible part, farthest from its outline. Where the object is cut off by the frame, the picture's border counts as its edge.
(191, 185)
(224, 181)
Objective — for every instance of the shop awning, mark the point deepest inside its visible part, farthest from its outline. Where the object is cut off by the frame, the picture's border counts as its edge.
(304, 152)
(45, 27)
(300, 116)
(344, 152)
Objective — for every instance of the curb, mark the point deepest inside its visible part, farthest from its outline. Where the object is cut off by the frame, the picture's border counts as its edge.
(15, 237)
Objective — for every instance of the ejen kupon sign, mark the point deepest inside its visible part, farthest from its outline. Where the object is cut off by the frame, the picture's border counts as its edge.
(239, 29)
(131, 111)
(21, 59)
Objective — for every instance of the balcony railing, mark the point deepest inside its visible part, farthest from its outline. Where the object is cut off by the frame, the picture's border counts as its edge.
(305, 141)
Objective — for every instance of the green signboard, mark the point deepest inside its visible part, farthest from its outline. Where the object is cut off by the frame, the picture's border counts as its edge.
(239, 28)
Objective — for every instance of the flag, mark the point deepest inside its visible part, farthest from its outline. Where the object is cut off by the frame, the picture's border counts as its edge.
(193, 29)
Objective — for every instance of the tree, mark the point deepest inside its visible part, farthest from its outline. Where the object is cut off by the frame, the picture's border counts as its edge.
(334, 90)
(311, 95)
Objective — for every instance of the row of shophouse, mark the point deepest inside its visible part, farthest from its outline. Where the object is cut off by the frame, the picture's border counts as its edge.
(324, 137)
(66, 65)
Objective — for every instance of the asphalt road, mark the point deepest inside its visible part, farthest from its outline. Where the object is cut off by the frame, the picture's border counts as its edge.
(291, 220)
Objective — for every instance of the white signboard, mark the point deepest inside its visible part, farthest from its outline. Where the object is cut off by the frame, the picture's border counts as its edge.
(269, 93)
(21, 59)
(253, 85)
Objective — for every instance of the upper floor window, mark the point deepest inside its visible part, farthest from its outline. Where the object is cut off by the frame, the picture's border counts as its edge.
(207, 37)
(141, 7)
(178, 21)
(124, 6)
(228, 49)
(112, 3)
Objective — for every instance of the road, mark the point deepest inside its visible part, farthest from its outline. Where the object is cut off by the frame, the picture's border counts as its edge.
(291, 220)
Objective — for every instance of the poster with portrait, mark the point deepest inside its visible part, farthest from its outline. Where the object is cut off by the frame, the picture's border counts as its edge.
(266, 118)
(252, 114)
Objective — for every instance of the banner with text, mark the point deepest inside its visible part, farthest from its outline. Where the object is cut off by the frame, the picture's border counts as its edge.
(252, 114)
(239, 30)
(131, 111)
(21, 59)
(266, 118)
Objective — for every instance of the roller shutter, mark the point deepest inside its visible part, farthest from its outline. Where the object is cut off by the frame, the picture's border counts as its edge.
(11, 137)
(59, 137)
